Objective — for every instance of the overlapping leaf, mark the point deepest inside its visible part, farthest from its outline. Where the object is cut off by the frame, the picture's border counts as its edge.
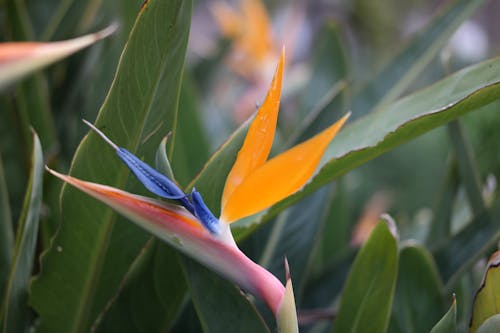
(92, 250)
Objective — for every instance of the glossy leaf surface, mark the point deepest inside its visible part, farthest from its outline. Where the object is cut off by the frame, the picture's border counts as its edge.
(93, 249)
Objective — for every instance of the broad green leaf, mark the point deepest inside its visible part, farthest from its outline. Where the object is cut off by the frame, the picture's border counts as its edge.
(18, 59)
(447, 324)
(93, 248)
(6, 232)
(490, 325)
(220, 305)
(366, 299)
(14, 310)
(405, 67)
(487, 300)
(376, 133)
(294, 236)
(456, 254)
(418, 301)
(151, 296)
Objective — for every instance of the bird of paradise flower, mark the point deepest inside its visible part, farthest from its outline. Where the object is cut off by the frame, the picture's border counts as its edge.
(190, 226)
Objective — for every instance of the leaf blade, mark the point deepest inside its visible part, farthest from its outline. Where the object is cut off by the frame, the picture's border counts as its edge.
(14, 309)
(134, 112)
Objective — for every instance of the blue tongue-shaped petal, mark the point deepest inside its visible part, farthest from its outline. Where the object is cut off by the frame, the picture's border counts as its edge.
(201, 211)
(153, 180)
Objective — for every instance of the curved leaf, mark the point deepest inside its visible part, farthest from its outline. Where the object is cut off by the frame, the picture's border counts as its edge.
(490, 325)
(92, 250)
(418, 301)
(487, 300)
(366, 300)
(14, 306)
(447, 324)
(368, 137)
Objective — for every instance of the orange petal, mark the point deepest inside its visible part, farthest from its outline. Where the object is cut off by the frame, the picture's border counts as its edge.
(279, 177)
(257, 38)
(260, 136)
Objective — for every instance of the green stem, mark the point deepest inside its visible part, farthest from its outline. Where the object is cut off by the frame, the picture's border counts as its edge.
(467, 166)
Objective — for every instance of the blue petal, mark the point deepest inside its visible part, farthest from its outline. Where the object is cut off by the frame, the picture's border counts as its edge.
(153, 180)
(201, 211)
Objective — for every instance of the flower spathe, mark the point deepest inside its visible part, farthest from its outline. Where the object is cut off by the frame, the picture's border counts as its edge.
(252, 185)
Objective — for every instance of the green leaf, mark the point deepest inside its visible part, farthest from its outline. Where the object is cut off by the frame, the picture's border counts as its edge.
(461, 251)
(374, 134)
(490, 325)
(440, 228)
(467, 166)
(287, 314)
(93, 248)
(14, 309)
(152, 295)
(212, 177)
(323, 99)
(294, 236)
(447, 324)
(400, 72)
(6, 232)
(32, 96)
(366, 300)
(191, 148)
(418, 301)
(220, 305)
(487, 300)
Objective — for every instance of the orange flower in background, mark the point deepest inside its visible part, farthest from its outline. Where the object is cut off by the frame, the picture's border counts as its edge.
(254, 50)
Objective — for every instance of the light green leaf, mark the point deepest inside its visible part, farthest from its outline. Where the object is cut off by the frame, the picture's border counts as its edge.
(487, 300)
(366, 300)
(14, 308)
(220, 305)
(447, 324)
(418, 301)
(93, 248)
(287, 314)
(404, 68)
(490, 325)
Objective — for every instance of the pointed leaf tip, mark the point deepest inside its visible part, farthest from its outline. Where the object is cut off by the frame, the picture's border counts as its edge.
(279, 177)
(260, 136)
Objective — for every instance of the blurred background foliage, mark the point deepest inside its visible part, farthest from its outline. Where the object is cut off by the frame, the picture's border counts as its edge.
(341, 56)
